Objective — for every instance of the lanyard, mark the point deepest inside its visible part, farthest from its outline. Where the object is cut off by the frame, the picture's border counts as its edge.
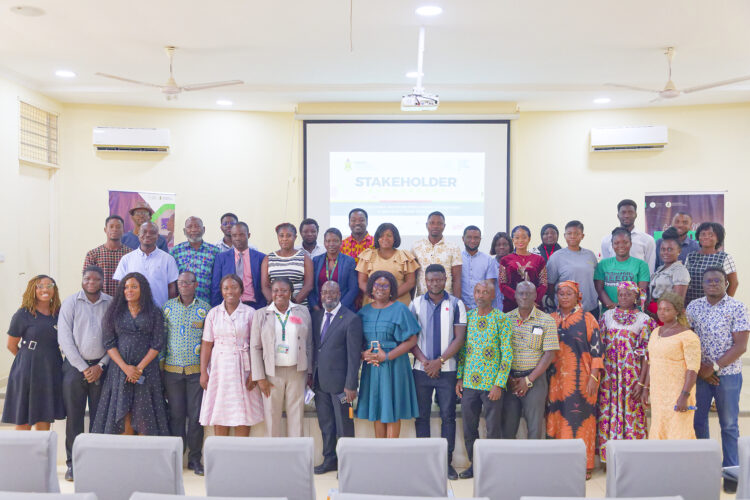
(329, 272)
(283, 323)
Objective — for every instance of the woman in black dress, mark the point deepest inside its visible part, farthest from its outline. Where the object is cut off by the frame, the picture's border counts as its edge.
(34, 393)
(132, 401)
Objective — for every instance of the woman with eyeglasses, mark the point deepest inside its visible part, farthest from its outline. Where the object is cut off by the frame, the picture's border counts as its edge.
(710, 236)
(387, 393)
(34, 392)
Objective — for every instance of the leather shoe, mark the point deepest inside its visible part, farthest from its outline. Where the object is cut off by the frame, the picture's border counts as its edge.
(468, 473)
(452, 474)
(196, 467)
(325, 467)
(69, 473)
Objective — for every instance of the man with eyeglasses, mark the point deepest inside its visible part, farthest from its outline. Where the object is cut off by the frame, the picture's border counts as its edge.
(196, 256)
(184, 316)
(722, 324)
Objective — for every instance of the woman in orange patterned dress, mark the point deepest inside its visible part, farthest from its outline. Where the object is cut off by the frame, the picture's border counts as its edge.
(574, 383)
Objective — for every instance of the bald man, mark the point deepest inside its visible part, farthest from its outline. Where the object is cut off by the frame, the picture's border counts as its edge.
(196, 256)
(159, 268)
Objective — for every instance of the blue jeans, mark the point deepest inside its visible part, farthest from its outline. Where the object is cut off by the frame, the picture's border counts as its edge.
(445, 388)
(727, 397)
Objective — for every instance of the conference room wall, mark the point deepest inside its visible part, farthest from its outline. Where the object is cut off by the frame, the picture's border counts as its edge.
(25, 205)
(554, 178)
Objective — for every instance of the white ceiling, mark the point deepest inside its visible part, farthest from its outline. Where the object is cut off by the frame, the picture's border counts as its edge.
(543, 54)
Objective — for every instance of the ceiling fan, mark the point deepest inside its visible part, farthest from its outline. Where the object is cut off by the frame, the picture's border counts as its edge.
(670, 90)
(170, 89)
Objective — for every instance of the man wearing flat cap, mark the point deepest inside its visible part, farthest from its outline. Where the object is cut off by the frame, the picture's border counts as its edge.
(140, 213)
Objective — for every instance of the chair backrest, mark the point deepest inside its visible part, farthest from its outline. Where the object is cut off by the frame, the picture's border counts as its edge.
(28, 461)
(17, 495)
(259, 467)
(506, 469)
(413, 467)
(114, 467)
(362, 496)
(609, 498)
(159, 496)
(743, 478)
(690, 468)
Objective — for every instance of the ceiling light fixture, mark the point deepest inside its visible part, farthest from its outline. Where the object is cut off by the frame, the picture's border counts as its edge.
(429, 10)
(64, 73)
(602, 100)
(224, 102)
(27, 10)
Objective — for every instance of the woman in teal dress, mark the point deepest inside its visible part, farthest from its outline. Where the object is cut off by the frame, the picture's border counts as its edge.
(386, 392)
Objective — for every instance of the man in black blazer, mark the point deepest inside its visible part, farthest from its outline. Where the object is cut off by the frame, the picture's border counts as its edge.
(338, 344)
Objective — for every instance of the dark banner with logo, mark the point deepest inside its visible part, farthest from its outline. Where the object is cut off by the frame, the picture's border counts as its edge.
(702, 207)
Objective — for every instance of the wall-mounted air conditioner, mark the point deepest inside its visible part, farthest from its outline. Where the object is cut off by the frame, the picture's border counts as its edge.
(629, 138)
(149, 140)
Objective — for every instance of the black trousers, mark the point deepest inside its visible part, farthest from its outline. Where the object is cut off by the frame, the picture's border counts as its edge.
(184, 395)
(76, 394)
(333, 419)
(472, 402)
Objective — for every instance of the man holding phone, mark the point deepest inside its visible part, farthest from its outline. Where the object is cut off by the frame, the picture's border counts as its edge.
(337, 342)
(534, 347)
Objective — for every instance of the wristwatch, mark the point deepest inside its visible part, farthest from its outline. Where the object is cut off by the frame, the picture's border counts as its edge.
(442, 361)
(529, 383)
(716, 367)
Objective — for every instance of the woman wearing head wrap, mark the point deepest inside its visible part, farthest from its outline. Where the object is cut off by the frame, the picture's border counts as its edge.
(674, 353)
(625, 331)
(574, 384)
(549, 245)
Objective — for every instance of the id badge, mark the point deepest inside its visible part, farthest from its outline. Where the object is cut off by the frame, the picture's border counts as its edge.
(537, 330)
(282, 349)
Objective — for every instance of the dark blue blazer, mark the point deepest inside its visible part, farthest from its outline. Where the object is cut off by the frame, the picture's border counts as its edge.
(347, 280)
(224, 264)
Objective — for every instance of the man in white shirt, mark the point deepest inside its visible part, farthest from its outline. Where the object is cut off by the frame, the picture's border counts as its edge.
(644, 246)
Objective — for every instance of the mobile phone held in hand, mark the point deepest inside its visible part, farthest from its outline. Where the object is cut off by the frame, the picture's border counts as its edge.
(375, 346)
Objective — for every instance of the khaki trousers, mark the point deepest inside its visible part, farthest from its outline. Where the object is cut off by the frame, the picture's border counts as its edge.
(289, 387)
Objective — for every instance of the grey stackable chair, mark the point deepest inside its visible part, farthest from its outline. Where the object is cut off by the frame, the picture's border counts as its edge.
(608, 498)
(408, 466)
(690, 468)
(28, 461)
(17, 495)
(743, 478)
(114, 466)
(260, 467)
(160, 496)
(362, 496)
(506, 469)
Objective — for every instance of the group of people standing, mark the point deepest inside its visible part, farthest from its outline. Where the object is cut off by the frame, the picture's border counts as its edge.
(160, 343)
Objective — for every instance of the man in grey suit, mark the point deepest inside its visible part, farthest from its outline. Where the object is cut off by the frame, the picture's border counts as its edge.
(337, 338)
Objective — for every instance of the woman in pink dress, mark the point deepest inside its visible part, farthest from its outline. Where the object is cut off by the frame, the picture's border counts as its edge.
(231, 399)
(623, 392)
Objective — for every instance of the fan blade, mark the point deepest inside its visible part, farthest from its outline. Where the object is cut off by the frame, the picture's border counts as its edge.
(715, 84)
(211, 85)
(128, 80)
(631, 87)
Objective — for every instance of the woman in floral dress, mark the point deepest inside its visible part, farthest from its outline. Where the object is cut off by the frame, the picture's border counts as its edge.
(625, 332)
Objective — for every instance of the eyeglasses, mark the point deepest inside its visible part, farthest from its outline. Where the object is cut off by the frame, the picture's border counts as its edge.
(42, 286)
(228, 224)
(712, 281)
(185, 283)
(381, 287)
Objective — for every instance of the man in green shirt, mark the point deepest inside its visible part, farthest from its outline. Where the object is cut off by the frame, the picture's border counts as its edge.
(622, 267)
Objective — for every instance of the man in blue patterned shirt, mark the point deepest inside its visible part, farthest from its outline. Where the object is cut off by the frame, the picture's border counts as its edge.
(196, 256)
(183, 317)
(722, 324)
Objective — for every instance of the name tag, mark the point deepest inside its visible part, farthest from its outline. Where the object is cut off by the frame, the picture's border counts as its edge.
(537, 330)
(282, 349)
(197, 324)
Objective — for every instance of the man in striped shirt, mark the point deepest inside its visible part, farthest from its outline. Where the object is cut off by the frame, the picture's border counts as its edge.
(442, 318)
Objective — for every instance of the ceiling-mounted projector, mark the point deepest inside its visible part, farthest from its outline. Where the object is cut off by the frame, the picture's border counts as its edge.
(420, 102)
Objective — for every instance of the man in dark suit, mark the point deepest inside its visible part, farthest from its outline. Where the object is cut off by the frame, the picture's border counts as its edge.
(242, 261)
(337, 341)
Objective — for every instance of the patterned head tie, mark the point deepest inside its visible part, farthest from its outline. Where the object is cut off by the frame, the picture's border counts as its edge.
(575, 287)
(632, 286)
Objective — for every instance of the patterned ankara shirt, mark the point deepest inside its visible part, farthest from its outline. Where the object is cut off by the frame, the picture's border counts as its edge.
(353, 248)
(106, 259)
(715, 325)
(486, 357)
(444, 253)
(200, 262)
(184, 333)
(532, 337)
